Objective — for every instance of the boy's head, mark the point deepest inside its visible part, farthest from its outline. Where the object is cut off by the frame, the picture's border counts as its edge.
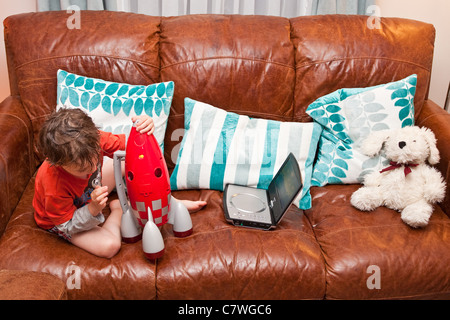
(70, 137)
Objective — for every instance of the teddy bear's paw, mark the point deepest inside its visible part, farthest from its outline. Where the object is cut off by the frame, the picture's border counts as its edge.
(434, 189)
(365, 199)
(416, 215)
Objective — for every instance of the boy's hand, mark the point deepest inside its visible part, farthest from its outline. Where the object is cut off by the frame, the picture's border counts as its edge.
(144, 125)
(99, 197)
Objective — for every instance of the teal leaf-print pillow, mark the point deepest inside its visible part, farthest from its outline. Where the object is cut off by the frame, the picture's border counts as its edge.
(348, 116)
(111, 105)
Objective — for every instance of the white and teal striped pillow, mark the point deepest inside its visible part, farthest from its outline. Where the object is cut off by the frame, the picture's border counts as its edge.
(111, 105)
(222, 147)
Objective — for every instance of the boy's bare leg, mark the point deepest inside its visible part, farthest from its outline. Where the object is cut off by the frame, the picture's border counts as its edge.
(103, 241)
(114, 221)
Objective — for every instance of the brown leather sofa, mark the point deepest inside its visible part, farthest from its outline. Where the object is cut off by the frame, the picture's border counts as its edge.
(261, 66)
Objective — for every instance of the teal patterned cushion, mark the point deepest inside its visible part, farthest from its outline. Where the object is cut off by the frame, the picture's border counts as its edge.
(111, 105)
(347, 117)
(222, 147)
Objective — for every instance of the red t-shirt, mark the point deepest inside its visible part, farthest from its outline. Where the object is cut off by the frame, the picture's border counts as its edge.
(57, 193)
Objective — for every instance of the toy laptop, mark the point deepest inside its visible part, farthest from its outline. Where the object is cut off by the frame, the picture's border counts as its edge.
(260, 208)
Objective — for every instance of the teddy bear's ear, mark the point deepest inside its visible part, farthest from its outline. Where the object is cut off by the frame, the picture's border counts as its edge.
(433, 157)
(373, 144)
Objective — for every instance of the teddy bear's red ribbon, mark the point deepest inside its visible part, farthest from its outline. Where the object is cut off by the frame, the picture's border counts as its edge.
(395, 165)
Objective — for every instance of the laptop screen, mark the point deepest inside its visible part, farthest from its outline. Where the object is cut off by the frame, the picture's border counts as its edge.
(284, 187)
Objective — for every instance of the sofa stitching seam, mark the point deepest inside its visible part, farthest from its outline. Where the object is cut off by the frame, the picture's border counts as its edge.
(86, 55)
(226, 228)
(5, 163)
(322, 253)
(422, 121)
(229, 57)
(370, 227)
(308, 64)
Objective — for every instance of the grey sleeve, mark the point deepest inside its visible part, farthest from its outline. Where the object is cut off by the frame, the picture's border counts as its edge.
(82, 220)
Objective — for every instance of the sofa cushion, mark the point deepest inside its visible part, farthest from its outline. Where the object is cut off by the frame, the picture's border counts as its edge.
(243, 64)
(25, 246)
(341, 51)
(30, 285)
(222, 147)
(367, 250)
(111, 105)
(221, 261)
(348, 116)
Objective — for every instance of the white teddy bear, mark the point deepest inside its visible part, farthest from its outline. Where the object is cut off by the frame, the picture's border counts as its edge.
(408, 185)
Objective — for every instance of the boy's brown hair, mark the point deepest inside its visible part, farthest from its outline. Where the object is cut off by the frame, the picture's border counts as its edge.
(69, 136)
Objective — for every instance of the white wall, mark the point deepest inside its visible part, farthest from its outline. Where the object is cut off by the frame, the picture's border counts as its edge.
(437, 13)
(7, 8)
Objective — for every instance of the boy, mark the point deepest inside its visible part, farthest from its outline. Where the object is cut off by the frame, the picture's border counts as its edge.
(72, 185)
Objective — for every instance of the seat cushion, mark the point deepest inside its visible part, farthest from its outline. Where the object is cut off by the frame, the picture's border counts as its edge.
(221, 261)
(24, 246)
(366, 250)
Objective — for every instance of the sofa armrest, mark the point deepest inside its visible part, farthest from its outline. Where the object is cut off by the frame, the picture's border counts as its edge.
(437, 119)
(17, 163)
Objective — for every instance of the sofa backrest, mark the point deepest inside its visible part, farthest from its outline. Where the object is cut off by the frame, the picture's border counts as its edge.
(338, 51)
(261, 66)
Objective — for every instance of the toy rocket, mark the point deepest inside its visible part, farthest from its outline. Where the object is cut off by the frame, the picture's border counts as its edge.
(148, 188)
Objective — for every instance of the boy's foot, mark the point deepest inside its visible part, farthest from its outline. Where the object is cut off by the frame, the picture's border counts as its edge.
(193, 206)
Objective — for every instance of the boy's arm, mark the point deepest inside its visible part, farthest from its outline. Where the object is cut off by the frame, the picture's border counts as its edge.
(110, 143)
(99, 197)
